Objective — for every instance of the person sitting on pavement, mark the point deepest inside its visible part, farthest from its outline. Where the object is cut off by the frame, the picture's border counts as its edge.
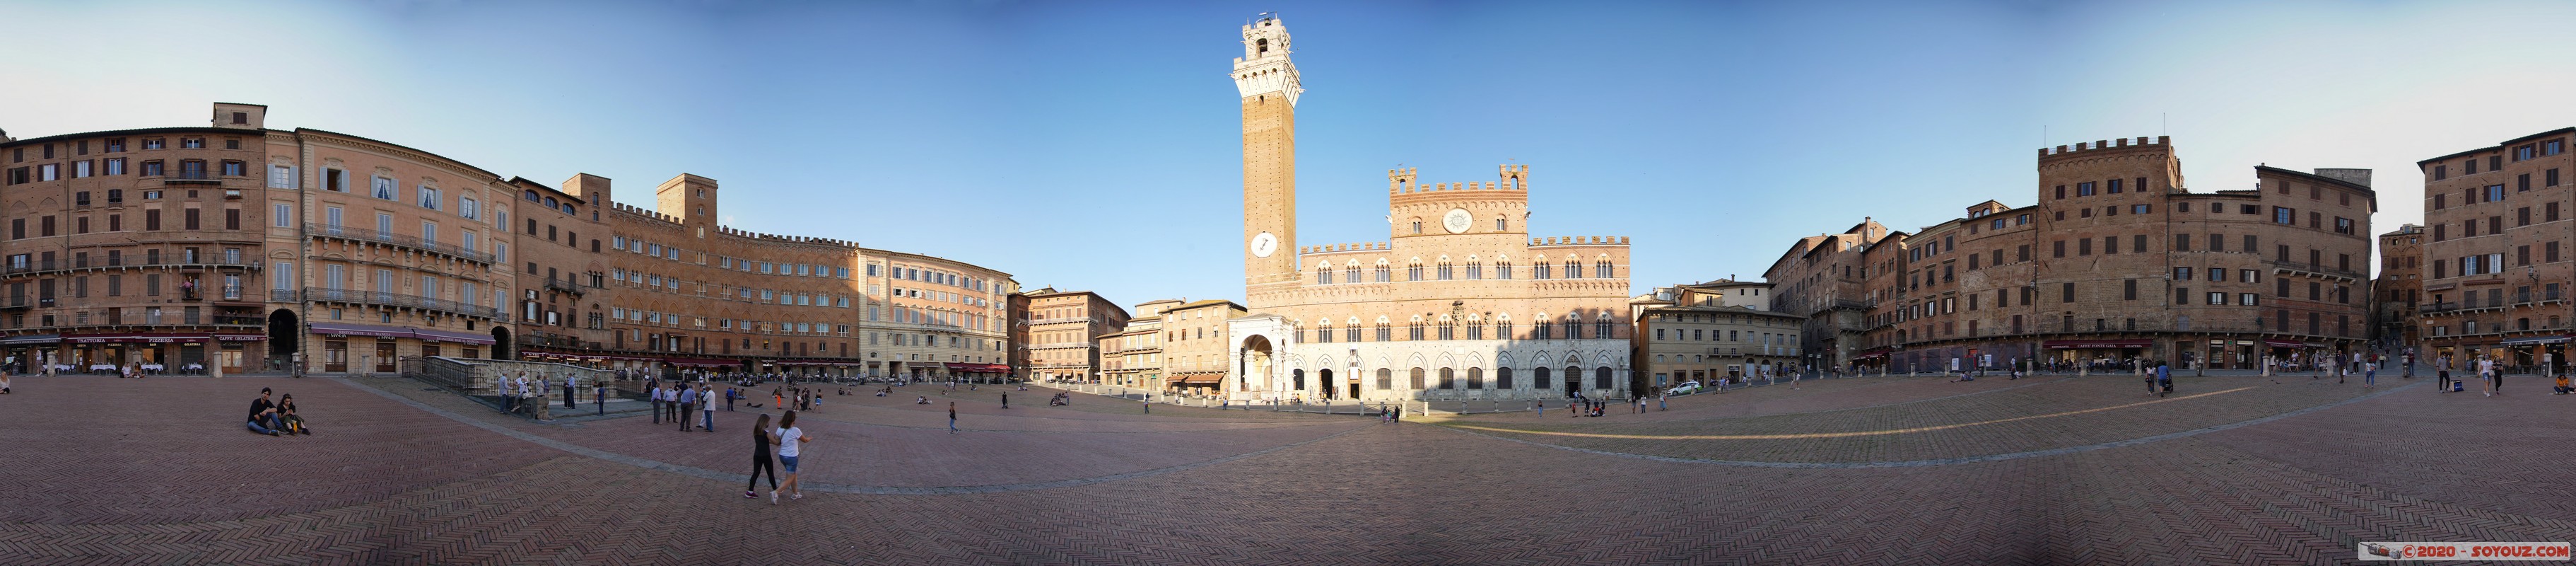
(286, 416)
(924, 400)
(4, 382)
(263, 415)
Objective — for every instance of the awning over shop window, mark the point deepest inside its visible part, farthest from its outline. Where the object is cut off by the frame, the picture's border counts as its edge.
(133, 338)
(31, 339)
(446, 336)
(2096, 344)
(2283, 344)
(701, 362)
(241, 337)
(2534, 340)
(1202, 378)
(336, 329)
(995, 368)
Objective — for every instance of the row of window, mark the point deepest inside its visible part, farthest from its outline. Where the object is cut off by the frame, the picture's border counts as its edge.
(1447, 378)
(2495, 193)
(117, 145)
(1709, 335)
(2520, 153)
(1470, 330)
(116, 258)
(189, 219)
(1445, 271)
(188, 169)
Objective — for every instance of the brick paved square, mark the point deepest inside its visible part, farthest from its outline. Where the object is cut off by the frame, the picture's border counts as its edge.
(1873, 470)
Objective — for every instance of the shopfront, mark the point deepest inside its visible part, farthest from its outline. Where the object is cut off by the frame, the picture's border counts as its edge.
(2099, 355)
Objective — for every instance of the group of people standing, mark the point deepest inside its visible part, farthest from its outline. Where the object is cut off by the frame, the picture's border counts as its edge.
(531, 395)
(688, 406)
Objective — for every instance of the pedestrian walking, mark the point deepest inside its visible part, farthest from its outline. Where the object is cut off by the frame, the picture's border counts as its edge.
(1006, 401)
(653, 391)
(760, 460)
(791, 443)
(2370, 375)
(569, 391)
(952, 417)
(2487, 374)
(2164, 377)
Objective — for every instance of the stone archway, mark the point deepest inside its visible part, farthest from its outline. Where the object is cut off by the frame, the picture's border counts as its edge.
(285, 333)
(502, 348)
(1253, 362)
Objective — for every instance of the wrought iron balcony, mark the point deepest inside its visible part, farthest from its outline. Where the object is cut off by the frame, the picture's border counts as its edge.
(400, 300)
(397, 240)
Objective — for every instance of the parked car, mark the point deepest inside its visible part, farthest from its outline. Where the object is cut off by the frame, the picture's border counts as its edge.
(1684, 388)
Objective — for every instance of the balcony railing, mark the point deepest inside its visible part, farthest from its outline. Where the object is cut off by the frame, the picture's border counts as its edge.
(414, 242)
(38, 266)
(400, 300)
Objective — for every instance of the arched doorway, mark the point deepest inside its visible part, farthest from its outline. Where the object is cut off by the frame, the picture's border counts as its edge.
(1573, 381)
(1297, 380)
(1324, 380)
(284, 333)
(502, 348)
(1254, 365)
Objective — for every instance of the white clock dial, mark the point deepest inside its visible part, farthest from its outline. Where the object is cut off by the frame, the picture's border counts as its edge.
(1457, 221)
(1264, 244)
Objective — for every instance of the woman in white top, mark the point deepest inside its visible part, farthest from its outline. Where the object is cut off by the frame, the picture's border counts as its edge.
(790, 441)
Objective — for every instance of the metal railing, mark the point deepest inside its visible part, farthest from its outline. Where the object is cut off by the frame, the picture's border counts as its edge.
(400, 300)
(39, 266)
(414, 242)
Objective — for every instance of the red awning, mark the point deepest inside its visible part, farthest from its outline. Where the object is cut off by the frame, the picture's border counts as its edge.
(333, 329)
(1202, 378)
(446, 336)
(2097, 344)
(133, 338)
(699, 362)
(997, 368)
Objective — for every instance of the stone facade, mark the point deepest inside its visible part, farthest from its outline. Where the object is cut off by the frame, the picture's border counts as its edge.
(2397, 289)
(1133, 356)
(250, 248)
(2119, 262)
(2495, 248)
(1714, 331)
(1458, 293)
(1065, 328)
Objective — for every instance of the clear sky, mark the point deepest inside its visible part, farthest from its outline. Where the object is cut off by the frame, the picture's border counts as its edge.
(1093, 145)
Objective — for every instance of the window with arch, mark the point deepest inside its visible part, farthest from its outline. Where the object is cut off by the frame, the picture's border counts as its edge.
(1573, 269)
(1601, 327)
(1601, 377)
(1540, 270)
(1573, 327)
(1324, 276)
(1414, 332)
(1448, 378)
(1475, 269)
(1503, 328)
(1573, 376)
(1445, 272)
(1502, 269)
(1385, 272)
(1351, 272)
(1501, 225)
(1385, 333)
(1448, 328)
(1417, 379)
(1385, 379)
(1475, 378)
(1503, 378)
(1324, 332)
(1602, 269)
(1413, 271)
(1352, 332)
(1417, 226)
(1539, 378)
(1475, 328)
(1541, 330)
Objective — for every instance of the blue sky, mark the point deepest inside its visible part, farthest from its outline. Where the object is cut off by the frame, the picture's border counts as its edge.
(1093, 145)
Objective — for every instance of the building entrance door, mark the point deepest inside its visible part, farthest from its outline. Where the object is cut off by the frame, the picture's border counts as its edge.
(335, 356)
(1573, 381)
(1324, 381)
(1355, 390)
(385, 356)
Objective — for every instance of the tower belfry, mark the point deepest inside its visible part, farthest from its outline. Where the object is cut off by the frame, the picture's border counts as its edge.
(1268, 83)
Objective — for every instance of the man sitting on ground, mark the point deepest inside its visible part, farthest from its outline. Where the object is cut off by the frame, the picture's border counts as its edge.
(263, 415)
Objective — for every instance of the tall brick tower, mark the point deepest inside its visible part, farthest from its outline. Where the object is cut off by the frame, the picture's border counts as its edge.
(1268, 83)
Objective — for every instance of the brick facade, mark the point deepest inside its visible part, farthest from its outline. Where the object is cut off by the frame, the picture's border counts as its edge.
(2496, 265)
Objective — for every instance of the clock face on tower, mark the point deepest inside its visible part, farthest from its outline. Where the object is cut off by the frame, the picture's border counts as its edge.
(1264, 244)
(1457, 220)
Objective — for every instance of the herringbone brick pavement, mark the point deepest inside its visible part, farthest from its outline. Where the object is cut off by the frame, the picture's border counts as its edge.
(2296, 490)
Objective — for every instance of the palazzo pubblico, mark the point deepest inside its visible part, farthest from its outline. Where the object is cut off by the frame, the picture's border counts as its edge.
(1460, 302)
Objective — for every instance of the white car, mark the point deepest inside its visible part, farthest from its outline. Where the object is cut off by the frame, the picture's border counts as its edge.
(1685, 388)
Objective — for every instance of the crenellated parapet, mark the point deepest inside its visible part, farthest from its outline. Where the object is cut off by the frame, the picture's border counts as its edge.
(643, 213)
(2159, 142)
(1578, 241)
(1351, 247)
